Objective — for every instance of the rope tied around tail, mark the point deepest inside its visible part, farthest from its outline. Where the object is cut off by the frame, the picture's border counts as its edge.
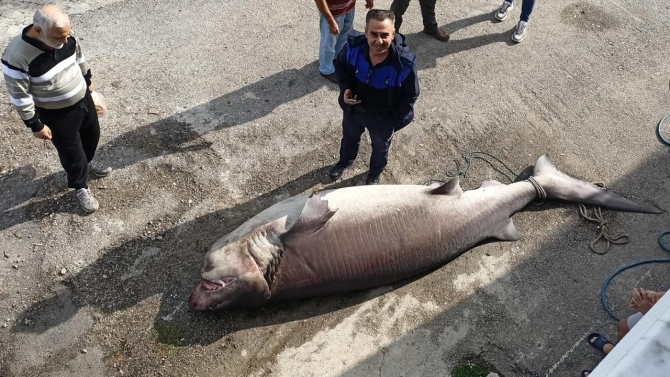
(508, 173)
(542, 195)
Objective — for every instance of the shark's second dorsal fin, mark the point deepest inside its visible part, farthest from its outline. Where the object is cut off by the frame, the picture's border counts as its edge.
(453, 187)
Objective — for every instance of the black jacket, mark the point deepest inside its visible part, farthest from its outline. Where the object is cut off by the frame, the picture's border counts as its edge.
(396, 79)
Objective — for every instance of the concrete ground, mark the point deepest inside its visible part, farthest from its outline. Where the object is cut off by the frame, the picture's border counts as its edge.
(217, 111)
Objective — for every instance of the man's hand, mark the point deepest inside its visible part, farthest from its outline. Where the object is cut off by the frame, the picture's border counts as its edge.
(369, 4)
(333, 28)
(44, 134)
(349, 99)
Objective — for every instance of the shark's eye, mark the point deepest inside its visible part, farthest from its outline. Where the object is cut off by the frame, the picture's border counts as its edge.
(213, 305)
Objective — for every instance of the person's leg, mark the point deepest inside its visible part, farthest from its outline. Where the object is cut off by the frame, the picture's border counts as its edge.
(527, 9)
(90, 129)
(624, 325)
(399, 7)
(326, 47)
(352, 129)
(381, 135)
(429, 21)
(65, 128)
(345, 28)
(428, 14)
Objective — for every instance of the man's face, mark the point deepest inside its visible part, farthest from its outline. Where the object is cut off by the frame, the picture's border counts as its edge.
(380, 34)
(55, 37)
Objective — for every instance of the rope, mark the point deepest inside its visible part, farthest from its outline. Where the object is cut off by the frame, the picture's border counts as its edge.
(540, 190)
(509, 173)
(604, 233)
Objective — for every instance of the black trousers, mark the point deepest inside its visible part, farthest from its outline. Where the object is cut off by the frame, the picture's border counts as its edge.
(399, 7)
(75, 133)
(380, 127)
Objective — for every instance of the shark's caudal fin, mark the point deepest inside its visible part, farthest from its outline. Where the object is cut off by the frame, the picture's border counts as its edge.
(562, 186)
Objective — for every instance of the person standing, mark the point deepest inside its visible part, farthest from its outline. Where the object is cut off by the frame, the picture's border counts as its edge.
(526, 9)
(399, 7)
(336, 21)
(379, 85)
(49, 81)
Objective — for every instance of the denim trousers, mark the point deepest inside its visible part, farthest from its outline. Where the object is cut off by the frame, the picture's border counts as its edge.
(330, 45)
(526, 9)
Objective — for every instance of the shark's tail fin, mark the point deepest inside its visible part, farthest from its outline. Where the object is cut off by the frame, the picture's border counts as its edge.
(562, 186)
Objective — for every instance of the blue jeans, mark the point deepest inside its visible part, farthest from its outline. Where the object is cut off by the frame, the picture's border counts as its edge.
(331, 45)
(380, 127)
(526, 9)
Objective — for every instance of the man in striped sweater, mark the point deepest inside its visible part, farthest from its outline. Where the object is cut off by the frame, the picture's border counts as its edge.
(48, 80)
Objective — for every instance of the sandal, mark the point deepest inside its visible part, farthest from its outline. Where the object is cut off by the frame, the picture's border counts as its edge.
(599, 341)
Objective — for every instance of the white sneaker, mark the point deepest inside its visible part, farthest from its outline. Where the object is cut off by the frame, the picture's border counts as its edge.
(520, 31)
(86, 200)
(502, 13)
(99, 171)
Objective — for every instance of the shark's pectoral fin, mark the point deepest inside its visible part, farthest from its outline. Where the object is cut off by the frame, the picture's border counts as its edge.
(453, 187)
(315, 214)
(507, 231)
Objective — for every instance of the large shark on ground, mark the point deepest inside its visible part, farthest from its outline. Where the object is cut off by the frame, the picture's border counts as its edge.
(366, 236)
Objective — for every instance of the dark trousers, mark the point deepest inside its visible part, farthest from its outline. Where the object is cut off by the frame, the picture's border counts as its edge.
(399, 7)
(380, 127)
(75, 132)
(526, 9)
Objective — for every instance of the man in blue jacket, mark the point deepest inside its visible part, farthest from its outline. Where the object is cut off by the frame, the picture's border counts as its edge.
(378, 83)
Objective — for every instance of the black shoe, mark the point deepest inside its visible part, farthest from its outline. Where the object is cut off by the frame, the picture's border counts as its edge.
(370, 180)
(331, 77)
(337, 170)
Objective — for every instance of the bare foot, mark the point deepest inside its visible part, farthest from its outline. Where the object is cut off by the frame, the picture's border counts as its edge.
(643, 300)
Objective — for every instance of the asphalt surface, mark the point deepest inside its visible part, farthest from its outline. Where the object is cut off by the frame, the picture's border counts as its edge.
(217, 111)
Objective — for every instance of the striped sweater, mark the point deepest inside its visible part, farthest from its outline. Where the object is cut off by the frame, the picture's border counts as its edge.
(39, 78)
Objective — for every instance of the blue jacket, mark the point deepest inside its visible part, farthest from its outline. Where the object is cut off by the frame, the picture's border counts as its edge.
(397, 81)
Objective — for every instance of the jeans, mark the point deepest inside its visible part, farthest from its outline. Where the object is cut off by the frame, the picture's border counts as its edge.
(526, 9)
(75, 133)
(380, 127)
(330, 45)
(399, 7)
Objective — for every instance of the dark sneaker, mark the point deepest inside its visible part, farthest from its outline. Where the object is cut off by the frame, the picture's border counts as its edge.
(332, 77)
(99, 171)
(86, 200)
(372, 180)
(337, 170)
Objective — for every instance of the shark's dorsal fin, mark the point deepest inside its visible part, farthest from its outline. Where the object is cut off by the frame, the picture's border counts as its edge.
(453, 187)
(507, 231)
(313, 217)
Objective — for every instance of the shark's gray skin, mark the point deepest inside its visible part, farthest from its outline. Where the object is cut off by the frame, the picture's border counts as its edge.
(366, 236)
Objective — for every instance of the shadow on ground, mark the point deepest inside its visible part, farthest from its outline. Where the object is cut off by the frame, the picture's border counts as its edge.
(183, 133)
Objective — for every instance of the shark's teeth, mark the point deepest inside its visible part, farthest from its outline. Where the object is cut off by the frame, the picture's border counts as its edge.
(209, 285)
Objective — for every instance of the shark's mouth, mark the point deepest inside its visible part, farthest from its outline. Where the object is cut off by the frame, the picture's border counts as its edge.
(209, 285)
